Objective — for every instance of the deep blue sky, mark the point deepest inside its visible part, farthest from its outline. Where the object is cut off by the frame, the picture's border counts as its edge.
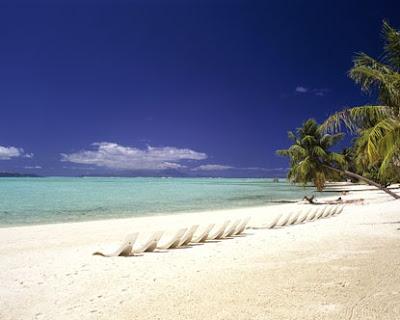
(215, 77)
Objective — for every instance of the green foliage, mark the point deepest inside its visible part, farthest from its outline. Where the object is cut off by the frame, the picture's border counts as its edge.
(310, 156)
(376, 148)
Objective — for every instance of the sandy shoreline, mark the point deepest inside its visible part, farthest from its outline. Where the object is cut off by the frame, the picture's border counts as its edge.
(344, 267)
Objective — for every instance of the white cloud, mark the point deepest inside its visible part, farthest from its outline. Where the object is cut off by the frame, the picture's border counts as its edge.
(32, 167)
(267, 169)
(114, 156)
(6, 153)
(216, 167)
(78, 168)
(212, 167)
(316, 91)
(301, 89)
(320, 92)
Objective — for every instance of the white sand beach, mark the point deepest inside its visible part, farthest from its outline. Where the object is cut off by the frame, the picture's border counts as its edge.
(344, 267)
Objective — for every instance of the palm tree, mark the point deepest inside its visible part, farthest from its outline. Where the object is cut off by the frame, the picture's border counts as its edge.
(376, 126)
(312, 161)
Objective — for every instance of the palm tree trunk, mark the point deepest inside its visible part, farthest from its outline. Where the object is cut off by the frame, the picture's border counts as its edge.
(370, 182)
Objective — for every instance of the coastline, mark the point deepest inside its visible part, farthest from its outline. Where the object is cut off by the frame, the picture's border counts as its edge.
(155, 215)
(222, 213)
(58, 200)
(326, 269)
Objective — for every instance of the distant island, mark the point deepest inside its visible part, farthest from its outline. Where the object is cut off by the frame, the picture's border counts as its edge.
(17, 175)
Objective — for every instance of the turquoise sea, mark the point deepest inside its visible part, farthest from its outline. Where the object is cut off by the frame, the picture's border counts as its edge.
(25, 201)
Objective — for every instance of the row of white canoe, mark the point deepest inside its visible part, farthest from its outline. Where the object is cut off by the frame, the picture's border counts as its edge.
(185, 236)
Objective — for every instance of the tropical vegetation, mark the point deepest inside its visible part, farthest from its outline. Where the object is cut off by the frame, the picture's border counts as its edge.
(374, 154)
(310, 155)
(312, 160)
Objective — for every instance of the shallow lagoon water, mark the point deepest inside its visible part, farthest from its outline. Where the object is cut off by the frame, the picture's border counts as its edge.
(25, 201)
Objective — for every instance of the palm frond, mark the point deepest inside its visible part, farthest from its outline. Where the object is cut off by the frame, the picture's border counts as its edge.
(355, 118)
(392, 45)
(391, 138)
(282, 152)
(309, 140)
(338, 159)
(291, 136)
(329, 140)
(318, 151)
(386, 166)
(375, 136)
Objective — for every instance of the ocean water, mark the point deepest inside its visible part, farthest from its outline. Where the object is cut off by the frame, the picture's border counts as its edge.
(25, 201)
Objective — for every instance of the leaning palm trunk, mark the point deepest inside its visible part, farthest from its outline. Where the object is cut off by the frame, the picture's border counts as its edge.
(370, 182)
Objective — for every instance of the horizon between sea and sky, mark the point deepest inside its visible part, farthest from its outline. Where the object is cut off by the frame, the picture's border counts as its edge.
(177, 88)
